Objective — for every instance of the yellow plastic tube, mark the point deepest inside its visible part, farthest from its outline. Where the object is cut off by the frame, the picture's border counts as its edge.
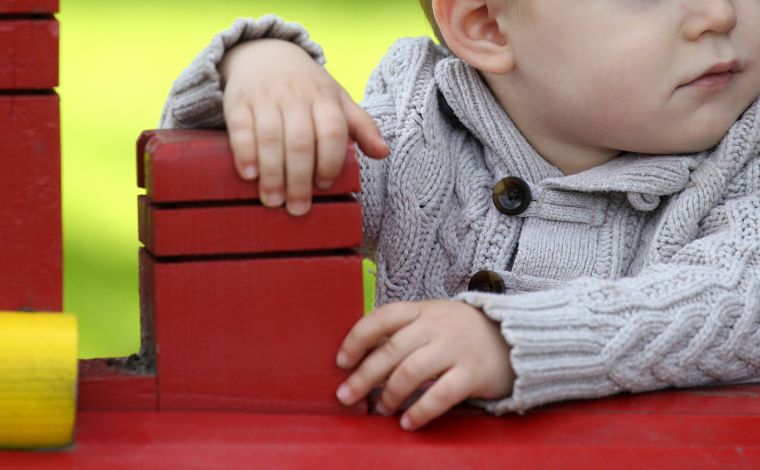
(38, 379)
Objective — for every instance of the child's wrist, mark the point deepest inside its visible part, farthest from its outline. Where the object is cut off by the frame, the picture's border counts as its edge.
(247, 52)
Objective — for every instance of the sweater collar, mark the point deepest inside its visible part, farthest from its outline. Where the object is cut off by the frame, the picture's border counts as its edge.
(645, 178)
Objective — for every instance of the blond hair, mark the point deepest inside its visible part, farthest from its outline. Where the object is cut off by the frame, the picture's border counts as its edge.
(427, 7)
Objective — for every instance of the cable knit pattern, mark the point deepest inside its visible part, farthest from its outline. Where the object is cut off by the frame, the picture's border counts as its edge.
(635, 275)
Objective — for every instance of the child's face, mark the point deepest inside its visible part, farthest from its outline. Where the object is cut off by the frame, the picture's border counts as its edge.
(619, 74)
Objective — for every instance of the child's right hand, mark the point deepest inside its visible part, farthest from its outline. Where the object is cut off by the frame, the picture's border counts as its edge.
(289, 122)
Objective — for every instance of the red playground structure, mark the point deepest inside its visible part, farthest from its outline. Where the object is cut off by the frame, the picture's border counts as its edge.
(243, 309)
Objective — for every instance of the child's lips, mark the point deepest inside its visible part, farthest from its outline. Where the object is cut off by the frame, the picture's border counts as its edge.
(712, 80)
(716, 76)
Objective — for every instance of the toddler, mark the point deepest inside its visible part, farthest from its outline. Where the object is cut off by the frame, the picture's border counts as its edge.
(570, 203)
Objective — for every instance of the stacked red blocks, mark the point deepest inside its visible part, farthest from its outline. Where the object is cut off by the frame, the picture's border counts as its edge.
(30, 193)
(243, 306)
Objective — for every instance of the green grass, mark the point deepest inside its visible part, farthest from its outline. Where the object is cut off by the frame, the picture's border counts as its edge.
(118, 60)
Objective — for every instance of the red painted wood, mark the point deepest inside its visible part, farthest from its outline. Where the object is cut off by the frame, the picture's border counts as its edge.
(28, 6)
(196, 165)
(30, 203)
(247, 229)
(252, 334)
(106, 385)
(716, 400)
(726, 400)
(582, 441)
(28, 54)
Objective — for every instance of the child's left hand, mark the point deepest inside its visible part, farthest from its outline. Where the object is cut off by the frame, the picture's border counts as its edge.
(413, 342)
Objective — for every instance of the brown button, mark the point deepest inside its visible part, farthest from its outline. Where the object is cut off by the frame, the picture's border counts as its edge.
(512, 195)
(487, 281)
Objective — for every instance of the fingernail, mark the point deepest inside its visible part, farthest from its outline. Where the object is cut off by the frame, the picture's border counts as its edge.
(250, 172)
(382, 410)
(342, 360)
(273, 198)
(299, 207)
(406, 423)
(324, 184)
(344, 394)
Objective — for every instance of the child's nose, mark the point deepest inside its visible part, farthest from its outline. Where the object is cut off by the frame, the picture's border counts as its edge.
(709, 16)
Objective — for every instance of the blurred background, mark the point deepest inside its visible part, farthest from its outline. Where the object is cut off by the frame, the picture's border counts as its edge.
(118, 61)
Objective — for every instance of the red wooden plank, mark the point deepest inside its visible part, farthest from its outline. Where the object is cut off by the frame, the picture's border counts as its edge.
(28, 54)
(196, 165)
(219, 440)
(247, 229)
(28, 6)
(252, 334)
(717, 400)
(30, 203)
(726, 400)
(108, 385)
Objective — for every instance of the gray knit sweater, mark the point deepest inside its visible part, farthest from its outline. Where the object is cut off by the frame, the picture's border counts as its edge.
(639, 274)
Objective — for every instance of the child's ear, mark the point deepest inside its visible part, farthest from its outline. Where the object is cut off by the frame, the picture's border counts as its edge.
(473, 33)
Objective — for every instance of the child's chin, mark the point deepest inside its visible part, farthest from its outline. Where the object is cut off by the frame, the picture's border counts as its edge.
(709, 140)
(702, 137)
(698, 145)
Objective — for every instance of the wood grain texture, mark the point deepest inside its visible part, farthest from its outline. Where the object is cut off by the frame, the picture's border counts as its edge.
(250, 228)
(538, 440)
(30, 203)
(196, 165)
(28, 6)
(256, 335)
(28, 54)
(108, 385)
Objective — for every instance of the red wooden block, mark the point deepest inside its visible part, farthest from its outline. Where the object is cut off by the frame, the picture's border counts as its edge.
(109, 385)
(28, 6)
(247, 228)
(196, 165)
(30, 203)
(28, 54)
(257, 334)
(572, 441)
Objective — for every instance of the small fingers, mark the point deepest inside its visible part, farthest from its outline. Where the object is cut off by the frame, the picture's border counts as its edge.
(269, 139)
(381, 362)
(421, 365)
(448, 391)
(240, 126)
(332, 136)
(299, 158)
(371, 329)
(364, 129)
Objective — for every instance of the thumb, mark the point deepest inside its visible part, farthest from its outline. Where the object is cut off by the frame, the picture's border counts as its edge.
(363, 129)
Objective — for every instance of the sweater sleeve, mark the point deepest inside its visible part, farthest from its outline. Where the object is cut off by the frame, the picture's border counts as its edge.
(694, 320)
(196, 98)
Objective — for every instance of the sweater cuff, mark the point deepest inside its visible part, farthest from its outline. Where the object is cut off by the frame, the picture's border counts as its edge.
(196, 98)
(556, 348)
